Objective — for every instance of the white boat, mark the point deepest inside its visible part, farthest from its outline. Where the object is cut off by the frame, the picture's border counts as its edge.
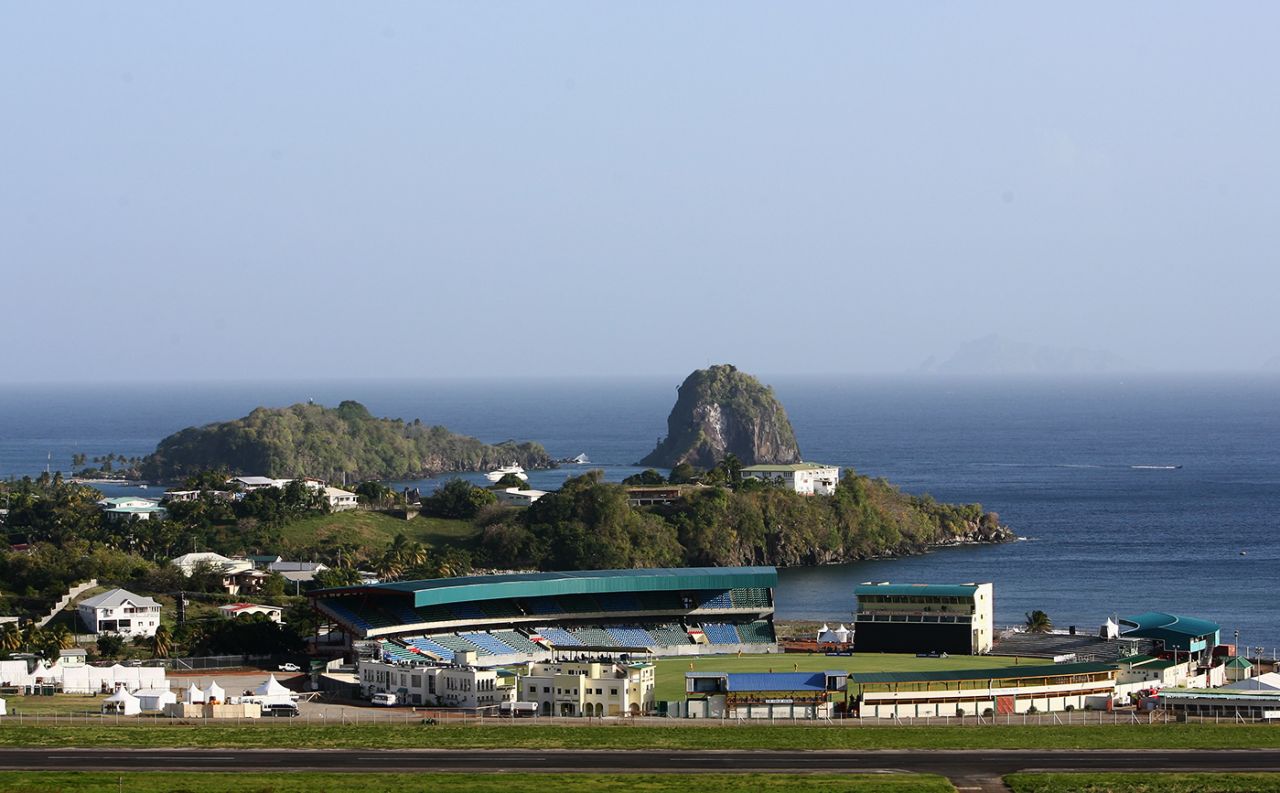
(581, 459)
(514, 468)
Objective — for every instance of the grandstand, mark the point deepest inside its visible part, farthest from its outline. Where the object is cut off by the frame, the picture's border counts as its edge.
(505, 618)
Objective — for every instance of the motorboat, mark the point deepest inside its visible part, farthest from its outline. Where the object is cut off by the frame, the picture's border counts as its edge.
(514, 468)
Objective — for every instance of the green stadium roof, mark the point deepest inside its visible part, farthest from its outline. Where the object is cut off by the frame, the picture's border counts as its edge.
(517, 585)
(1159, 625)
(924, 590)
(1000, 673)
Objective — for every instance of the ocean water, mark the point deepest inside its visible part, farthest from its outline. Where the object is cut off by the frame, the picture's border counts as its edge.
(1082, 469)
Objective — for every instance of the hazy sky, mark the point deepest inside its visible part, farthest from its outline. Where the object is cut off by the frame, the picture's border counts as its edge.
(427, 189)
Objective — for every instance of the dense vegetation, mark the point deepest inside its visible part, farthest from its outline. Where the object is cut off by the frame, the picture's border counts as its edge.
(328, 443)
(588, 524)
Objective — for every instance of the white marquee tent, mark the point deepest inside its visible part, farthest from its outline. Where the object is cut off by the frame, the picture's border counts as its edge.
(122, 703)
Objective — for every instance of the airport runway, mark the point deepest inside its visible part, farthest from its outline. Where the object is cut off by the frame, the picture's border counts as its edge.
(972, 764)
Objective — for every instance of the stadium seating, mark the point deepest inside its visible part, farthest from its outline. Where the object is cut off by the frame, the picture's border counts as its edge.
(546, 605)
(617, 601)
(433, 614)
(669, 635)
(559, 637)
(499, 608)
(431, 646)
(467, 610)
(720, 633)
(517, 641)
(488, 642)
(362, 614)
(758, 632)
(715, 600)
(631, 636)
(460, 644)
(394, 652)
(661, 601)
(753, 597)
(594, 637)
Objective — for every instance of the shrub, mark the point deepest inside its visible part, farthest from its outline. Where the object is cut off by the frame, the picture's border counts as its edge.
(988, 712)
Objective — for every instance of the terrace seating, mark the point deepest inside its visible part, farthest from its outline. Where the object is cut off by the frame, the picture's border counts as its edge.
(720, 633)
(433, 614)
(431, 646)
(715, 600)
(488, 642)
(758, 632)
(499, 608)
(660, 601)
(750, 597)
(361, 614)
(594, 637)
(517, 641)
(669, 635)
(559, 637)
(460, 644)
(631, 636)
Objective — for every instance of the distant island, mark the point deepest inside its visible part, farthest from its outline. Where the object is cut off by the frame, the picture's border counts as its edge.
(721, 411)
(994, 354)
(330, 443)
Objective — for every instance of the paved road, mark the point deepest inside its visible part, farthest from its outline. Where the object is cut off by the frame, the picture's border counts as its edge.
(972, 764)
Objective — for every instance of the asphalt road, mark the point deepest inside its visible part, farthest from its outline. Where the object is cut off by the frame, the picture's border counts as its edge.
(973, 764)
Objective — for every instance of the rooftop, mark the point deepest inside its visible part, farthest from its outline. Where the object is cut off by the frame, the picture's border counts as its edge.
(512, 585)
(776, 681)
(767, 468)
(1159, 625)
(113, 598)
(923, 590)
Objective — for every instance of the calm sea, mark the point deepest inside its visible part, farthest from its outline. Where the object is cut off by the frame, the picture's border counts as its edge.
(1078, 468)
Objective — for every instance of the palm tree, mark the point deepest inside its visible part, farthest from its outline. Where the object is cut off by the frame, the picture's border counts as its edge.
(389, 567)
(161, 642)
(10, 638)
(1038, 622)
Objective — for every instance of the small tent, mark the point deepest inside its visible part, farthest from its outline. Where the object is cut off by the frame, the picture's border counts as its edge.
(825, 634)
(194, 695)
(842, 634)
(272, 693)
(154, 699)
(214, 693)
(122, 703)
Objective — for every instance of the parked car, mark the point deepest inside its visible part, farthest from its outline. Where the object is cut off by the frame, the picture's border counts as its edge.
(290, 667)
(385, 698)
(281, 710)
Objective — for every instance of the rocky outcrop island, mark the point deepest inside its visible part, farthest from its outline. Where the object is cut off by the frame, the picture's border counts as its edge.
(722, 411)
(328, 443)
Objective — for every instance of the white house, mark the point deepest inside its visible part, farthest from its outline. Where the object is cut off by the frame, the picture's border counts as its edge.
(251, 483)
(233, 610)
(805, 478)
(238, 575)
(304, 572)
(339, 499)
(517, 497)
(132, 508)
(120, 612)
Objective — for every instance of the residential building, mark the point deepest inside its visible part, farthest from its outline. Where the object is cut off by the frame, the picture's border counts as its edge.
(238, 574)
(589, 688)
(251, 483)
(304, 572)
(656, 495)
(120, 612)
(517, 497)
(916, 618)
(339, 500)
(132, 508)
(806, 479)
(233, 610)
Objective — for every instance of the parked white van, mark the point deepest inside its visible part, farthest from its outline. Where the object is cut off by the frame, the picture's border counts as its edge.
(385, 698)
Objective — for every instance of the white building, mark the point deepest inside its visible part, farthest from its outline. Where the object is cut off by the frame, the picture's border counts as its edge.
(132, 508)
(233, 610)
(517, 497)
(448, 686)
(238, 575)
(915, 618)
(251, 483)
(338, 499)
(120, 612)
(805, 478)
(304, 572)
(588, 688)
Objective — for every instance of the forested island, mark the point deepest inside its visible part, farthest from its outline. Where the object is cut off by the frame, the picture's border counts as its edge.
(345, 442)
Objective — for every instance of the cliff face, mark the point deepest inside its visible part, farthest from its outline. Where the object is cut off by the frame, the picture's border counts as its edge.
(721, 411)
(311, 440)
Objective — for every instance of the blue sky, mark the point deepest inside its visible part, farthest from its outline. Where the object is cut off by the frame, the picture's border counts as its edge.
(249, 190)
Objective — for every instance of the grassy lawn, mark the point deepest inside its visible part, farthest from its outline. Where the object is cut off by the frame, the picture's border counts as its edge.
(60, 703)
(1143, 783)
(315, 782)
(375, 530)
(670, 673)
(678, 736)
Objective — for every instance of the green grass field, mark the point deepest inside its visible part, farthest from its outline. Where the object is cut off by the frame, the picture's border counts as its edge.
(375, 530)
(670, 672)
(1143, 783)
(315, 782)
(677, 736)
